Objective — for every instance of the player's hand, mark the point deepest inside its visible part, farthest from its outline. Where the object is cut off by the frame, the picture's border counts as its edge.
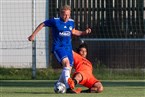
(88, 30)
(31, 38)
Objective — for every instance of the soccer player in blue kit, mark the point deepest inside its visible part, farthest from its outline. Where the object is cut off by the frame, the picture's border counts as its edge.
(62, 31)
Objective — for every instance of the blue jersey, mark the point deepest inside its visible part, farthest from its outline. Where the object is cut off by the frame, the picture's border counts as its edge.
(61, 31)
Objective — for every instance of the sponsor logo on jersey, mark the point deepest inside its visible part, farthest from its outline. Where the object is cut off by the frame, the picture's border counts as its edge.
(70, 28)
(65, 33)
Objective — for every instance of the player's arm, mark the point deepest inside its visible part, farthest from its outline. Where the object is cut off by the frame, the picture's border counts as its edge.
(76, 55)
(79, 33)
(39, 27)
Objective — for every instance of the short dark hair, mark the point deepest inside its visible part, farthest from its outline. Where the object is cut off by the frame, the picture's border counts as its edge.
(82, 45)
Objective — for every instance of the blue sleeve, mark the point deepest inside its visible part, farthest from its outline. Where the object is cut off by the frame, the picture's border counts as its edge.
(73, 24)
(49, 22)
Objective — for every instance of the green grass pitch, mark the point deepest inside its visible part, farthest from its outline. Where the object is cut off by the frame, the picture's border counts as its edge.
(44, 88)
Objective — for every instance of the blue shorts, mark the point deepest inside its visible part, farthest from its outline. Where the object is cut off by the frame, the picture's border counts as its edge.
(62, 53)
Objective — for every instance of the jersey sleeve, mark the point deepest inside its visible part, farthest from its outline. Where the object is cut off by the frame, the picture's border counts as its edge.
(72, 23)
(49, 22)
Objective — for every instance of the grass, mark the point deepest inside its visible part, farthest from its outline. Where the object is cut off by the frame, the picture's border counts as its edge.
(44, 88)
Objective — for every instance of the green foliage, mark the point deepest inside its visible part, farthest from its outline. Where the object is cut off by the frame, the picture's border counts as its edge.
(49, 74)
(25, 74)
(12, 73)
(100, 72)
(103, 73)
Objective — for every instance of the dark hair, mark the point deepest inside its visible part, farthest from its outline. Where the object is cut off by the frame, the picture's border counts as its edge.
(82, 45)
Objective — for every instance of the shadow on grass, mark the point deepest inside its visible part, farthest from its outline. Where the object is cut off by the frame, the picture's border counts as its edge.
(121, 83)
(35, 92)
(26, 83)
(50, 83)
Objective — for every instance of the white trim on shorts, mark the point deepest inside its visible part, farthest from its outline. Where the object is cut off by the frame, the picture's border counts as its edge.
(57, 57)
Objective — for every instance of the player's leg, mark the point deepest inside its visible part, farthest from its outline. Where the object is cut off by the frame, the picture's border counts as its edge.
(66, 59)
(71, 89)
(94, 85)
(96, 88)
(66, 71)
(62, 58)
(72, 82)
(77, 77)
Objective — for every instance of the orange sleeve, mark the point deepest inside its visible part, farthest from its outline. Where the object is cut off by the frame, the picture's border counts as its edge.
(77, 58)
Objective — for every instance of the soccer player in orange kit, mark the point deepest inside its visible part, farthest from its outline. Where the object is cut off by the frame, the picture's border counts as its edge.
(83, 72)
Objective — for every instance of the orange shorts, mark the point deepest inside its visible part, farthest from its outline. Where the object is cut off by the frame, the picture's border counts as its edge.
(88, 79)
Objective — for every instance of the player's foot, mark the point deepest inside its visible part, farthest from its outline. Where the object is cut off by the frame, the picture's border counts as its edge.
(75, 91)
(71, 83)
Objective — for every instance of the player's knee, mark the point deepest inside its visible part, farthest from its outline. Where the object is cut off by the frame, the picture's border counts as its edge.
(65, 62)
(97, 89)
(100, 89)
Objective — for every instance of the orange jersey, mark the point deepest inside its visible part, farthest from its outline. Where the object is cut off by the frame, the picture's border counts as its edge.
(81, 63)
